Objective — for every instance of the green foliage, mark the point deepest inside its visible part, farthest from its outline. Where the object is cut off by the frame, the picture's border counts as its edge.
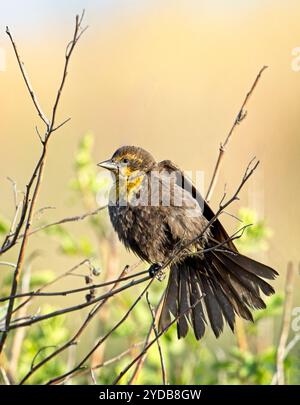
(37, 280)
(68, 244)
(39, 342)
(255, 237)
(89, 186)
(41, 278)
(243, 367)
(274, 308)
(86, 186)
(86, 181)
(4, 227)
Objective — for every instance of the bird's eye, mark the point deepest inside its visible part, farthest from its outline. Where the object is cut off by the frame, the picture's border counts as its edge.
(125, 160)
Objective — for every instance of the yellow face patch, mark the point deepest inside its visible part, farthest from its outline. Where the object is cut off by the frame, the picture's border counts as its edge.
(130, 157)
(127, 187)
(129, 177)
(126, 171)
(132, 176)
(134, 183)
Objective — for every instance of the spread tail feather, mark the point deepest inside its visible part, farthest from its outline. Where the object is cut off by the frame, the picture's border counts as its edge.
(218, 287)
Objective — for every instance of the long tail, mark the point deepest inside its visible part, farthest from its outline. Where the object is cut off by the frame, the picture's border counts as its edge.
(216, 288)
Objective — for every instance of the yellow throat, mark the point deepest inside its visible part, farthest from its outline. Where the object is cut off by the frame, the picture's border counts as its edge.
(128, 184)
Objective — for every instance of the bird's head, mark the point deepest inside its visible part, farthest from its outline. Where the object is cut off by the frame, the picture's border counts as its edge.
(129, 161)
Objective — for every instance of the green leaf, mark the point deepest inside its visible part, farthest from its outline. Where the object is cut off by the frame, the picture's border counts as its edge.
(41, 277)
(41, 340)
(274, 308)
(69, 245)
(255, 237)
(4, 227)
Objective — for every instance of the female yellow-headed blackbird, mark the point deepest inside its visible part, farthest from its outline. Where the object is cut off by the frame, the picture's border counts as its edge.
(155, 211)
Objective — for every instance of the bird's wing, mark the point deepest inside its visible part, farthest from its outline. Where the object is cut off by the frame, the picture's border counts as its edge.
(217, 230)
(229, 283)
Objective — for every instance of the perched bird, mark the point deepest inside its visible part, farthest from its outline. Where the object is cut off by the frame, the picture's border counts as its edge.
(160, 216)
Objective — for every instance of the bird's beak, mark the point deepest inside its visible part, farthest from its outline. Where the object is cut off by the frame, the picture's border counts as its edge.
(108, 164)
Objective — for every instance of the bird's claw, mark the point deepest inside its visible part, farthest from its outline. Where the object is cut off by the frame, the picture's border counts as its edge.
(154, 269)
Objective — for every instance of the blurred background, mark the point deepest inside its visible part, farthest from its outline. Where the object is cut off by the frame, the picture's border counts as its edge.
(170, 77)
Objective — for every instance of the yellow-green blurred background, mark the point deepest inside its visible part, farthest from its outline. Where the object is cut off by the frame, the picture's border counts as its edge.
(166, 75)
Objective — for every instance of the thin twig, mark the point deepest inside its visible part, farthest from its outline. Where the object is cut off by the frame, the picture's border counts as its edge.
(241, 335)
(4, 376)
(27, 82)
(66, 220)
(13, 265)
(19, 336)
(35, 319)
(39, 135)
(286, 320)
(142, 359)
(58, 278)
(289, 347)
(94, 311)
(103, 339)
(29, 202)
(147, 347)
(85, 370)
(240, 116)
(64, 293)
(41, 211)
(39, 352)
(77, 34)
(162, 362)
(93, 376)
(118, 357)
(236, 235)
(61, 124)
(15, 191)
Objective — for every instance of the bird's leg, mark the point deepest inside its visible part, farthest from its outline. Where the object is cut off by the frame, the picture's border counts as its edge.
(154, 269)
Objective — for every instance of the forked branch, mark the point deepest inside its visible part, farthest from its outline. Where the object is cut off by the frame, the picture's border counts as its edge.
(30, 198)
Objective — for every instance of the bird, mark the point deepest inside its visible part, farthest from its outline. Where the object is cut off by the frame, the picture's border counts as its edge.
(161, 217)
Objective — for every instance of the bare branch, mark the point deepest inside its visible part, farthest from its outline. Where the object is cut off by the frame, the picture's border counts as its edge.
(85, 370)
(66, 220)
(78, 31)
(240, 116)
(39, 135)
(29, 202)
(162, 362)
(62, 221)
(147, 347)
(236, 235)
(4, 376)
(103, 339)
(27, 82)
(67, 273)
(39, 293)
(286, 319)
(35, 319)
(13, 265)
(142, 359)
(76, 336)
(61, 125)
(15, 191)
(19, 336)
(38, 353)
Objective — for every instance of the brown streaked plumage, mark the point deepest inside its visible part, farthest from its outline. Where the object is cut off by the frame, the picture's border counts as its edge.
(229, 282)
